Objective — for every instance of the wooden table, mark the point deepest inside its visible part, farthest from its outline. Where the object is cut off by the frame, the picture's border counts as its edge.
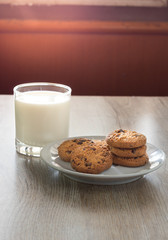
(36, 202)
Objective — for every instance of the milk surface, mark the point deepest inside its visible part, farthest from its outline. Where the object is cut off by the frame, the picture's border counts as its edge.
(41, 117)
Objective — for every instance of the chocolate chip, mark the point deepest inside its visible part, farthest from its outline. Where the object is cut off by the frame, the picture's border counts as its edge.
(94, 149)
(120, 130)
(133, 150)
(68, 152)
(88, 164)
(81, 142)
(105, 154)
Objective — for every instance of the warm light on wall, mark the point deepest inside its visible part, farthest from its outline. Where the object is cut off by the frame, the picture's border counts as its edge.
(147, 3)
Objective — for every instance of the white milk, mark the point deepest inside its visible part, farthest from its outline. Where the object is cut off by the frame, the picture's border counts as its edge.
(41, 117)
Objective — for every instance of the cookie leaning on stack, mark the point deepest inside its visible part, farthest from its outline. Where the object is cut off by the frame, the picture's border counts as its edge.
(128, 148)
(67, 147)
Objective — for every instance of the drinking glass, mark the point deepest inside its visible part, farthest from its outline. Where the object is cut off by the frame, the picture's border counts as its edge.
(41, 115)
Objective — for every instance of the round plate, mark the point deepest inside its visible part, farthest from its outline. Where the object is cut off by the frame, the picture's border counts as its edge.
(112, 176)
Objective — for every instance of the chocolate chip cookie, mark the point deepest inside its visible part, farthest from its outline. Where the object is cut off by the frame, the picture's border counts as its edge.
(67, 147)
(92, 159)
(129, 152)
(125, 139)
(130, 162)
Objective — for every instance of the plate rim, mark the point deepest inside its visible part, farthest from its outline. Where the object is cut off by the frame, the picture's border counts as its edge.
(98, 176)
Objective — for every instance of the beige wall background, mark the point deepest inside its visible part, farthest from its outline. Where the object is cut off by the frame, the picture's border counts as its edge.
(147, 3)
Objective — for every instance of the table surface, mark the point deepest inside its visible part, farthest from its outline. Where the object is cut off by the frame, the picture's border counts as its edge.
(37, 202)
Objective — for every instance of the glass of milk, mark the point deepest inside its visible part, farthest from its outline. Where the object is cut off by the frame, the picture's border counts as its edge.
(41, 115)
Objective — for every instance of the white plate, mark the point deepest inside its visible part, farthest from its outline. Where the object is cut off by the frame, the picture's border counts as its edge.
(112, 176)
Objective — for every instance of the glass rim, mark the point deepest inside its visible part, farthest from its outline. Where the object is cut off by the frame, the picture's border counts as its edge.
(69, 90)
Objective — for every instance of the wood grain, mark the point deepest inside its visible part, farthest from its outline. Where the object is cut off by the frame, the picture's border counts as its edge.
(39, 203)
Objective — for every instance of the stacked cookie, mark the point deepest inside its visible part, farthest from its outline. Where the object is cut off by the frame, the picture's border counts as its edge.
(85, 155)
(128, 148)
